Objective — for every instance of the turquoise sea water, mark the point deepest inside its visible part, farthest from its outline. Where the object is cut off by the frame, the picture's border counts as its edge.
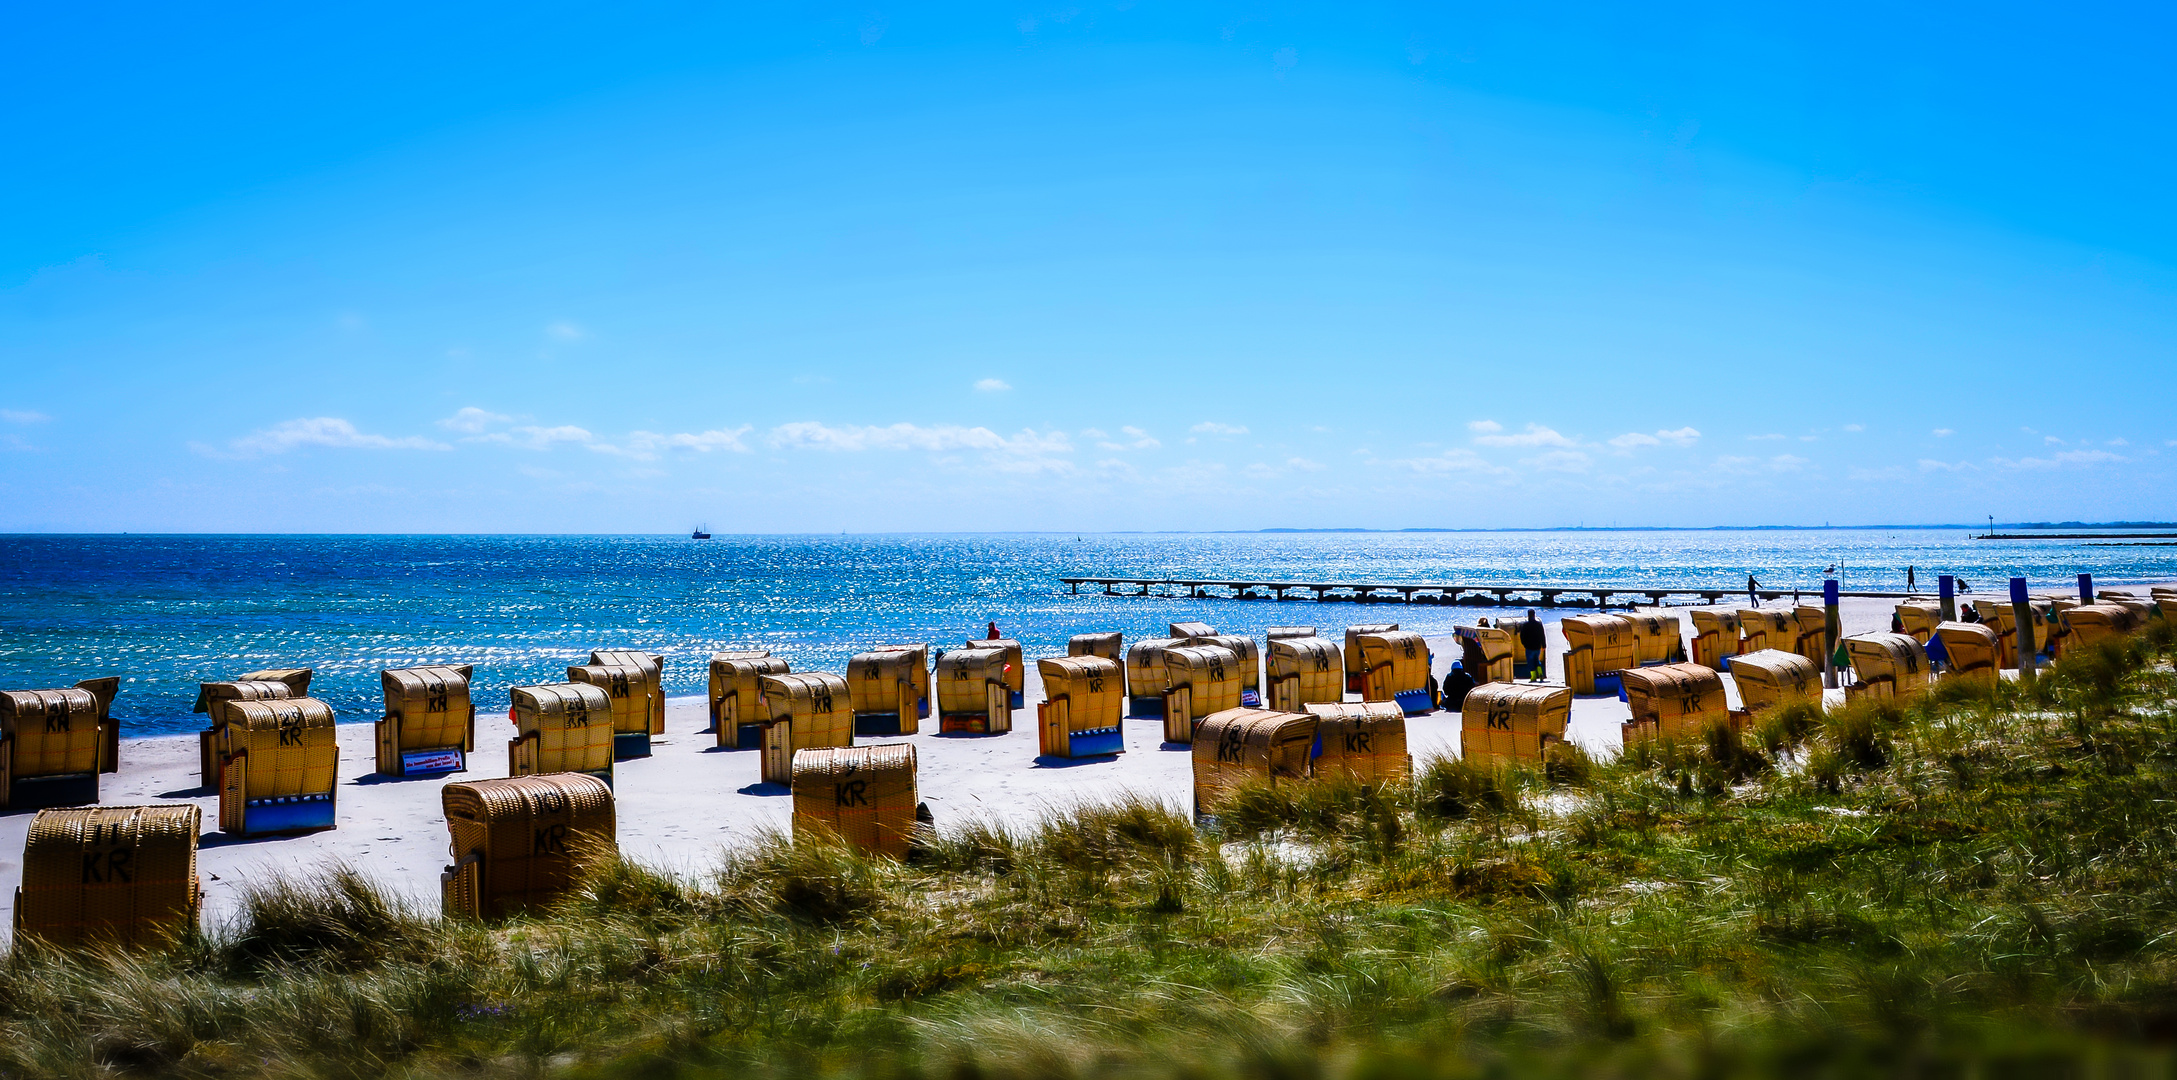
(166, 612)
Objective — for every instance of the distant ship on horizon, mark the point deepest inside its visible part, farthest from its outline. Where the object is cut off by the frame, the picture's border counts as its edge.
(702, 532)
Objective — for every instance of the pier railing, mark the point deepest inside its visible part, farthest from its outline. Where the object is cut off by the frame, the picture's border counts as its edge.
(1495, 594)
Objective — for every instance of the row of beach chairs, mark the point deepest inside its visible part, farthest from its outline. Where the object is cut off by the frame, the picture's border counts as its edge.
(128, 874)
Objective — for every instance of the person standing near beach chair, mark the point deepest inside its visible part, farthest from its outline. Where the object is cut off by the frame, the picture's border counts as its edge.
(1532, 638)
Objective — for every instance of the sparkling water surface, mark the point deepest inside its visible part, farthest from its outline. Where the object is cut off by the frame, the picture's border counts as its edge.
(166, 612)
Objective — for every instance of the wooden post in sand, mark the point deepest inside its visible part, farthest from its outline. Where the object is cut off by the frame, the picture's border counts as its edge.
(1834, 624)
(2022, 616)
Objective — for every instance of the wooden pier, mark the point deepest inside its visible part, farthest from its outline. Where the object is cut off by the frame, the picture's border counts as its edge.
(1493, 595)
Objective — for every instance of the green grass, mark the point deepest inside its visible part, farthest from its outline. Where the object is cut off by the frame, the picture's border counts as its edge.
(1982, 884)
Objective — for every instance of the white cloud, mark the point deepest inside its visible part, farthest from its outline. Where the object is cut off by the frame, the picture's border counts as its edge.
(1929, 465)
(1535, 435)
(1457, 460)
(1944, 433)
(1484, 427)
(1029, 451)
(2116, 442)
(1558, 461)
(473, 420)
(1304, 464)
(1211, 427)
(992, 386)
(1855, 427)
(565, 331)
(1094, 433)
(326, 431)
(1260, 471)
(1631, 440)
(2057, 461)
(1883, 475)
(1763, 438)
(644, 445)
(1137, 439)
(2052, 440)
(23, 416)
(1747, 466)
(533, 437)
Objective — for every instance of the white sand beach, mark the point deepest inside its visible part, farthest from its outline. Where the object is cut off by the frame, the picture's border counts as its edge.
(680, 806)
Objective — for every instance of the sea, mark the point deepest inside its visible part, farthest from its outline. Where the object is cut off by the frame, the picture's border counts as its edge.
(167, 612)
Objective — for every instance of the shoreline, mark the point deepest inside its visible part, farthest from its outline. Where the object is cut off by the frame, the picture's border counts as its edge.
(681, 808)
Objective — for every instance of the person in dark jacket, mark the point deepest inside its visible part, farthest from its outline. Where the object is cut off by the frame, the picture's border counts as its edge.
(1456, 684)
(1532, 638)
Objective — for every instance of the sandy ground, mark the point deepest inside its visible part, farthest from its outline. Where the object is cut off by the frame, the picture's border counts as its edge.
(680, 806)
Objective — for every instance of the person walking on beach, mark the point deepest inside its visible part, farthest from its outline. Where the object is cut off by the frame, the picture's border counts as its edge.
(1908, 579)
(1532, 638)
(1753, 592)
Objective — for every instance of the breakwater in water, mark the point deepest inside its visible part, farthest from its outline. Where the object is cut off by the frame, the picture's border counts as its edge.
(165, 612)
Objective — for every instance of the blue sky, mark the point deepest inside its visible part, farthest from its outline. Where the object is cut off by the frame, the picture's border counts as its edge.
(1106, 266)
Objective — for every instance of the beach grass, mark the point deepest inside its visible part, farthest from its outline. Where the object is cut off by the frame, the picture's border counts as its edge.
(1982, 883)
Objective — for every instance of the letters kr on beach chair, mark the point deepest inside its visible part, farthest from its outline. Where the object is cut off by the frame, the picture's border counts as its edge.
(808, 711)
(561, 727)
(629, 687)
(1236, 745)
(522, 843)
(429, 725)
(1674, 701)
(888, 688)
(1304, 670)
(736, 693)
(1364, 741)
(1598, 647)
(1715, 638)
(1082, 706)
(110, 875)
(279, 764)
(1354, 669)
(1396, 667)
(1772, 678)
(973, 696)
(1507, 721)
(1200, 680)
(54, 744)
(1886, 665)
(1146, 676)
(863, 794)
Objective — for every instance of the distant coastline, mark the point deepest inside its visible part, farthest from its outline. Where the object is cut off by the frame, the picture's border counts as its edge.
(1746, 528)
